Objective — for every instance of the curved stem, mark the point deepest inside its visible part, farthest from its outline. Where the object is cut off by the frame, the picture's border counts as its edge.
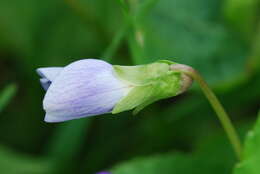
(216, 105)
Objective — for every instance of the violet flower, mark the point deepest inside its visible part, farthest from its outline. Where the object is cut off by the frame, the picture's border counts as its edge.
(84, 88)
(92, 87)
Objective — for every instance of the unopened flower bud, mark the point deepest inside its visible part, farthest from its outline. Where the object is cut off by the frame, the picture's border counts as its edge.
(92, 87)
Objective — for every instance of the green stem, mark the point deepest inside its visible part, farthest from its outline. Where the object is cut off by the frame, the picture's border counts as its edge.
(87, 17)
(66, 144)
(6, 95)
(111, 49)
(218, 108)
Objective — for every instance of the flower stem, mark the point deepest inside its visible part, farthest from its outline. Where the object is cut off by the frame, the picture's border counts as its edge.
(216, 105)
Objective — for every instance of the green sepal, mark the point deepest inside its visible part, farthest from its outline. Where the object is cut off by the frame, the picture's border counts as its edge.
(136, 97)
(166, 61)
(149, 83)
(141, 74)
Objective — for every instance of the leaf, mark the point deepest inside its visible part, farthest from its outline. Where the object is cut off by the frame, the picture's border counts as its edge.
(251, 158)
(254, 59)
(194, 36)
(18, 23)
(170, 163)
(211, 154)
(16, 163)
(64, 35)
(6, 95)
(242, 15)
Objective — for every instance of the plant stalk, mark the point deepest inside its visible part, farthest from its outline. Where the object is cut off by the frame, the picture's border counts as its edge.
(216, 105)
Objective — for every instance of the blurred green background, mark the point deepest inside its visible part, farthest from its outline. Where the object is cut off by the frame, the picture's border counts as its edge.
(220, 38)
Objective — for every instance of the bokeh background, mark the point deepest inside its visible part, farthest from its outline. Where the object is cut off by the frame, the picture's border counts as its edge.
(220, 38)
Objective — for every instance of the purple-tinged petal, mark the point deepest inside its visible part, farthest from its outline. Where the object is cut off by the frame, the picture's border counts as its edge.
(84, 88)
(45, 83)
(103, 172)
(49, 73)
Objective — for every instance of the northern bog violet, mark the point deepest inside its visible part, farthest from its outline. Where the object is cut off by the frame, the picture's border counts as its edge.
(91, 87)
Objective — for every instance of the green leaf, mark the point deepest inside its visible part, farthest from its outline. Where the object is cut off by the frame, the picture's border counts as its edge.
(251, 158)
(193, 36)
(254, 60)
(170, 163)
(18, 34)
(242, 15)
(6, 95)
(12, 162)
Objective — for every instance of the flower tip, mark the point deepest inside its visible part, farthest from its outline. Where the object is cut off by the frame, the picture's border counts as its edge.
(51, 119)
(49, 73)
(45, 83)
(39, 72)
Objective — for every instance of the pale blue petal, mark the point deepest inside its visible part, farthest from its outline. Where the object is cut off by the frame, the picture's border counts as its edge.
(84, 88)
(45, 83)
(49, 73)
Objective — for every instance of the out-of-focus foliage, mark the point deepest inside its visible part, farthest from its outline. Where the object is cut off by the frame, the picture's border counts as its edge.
(251, 158)
(221, 39)
(6, 95)
(171, 163)
(192, 34)
(242, 16)
(11, 162)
